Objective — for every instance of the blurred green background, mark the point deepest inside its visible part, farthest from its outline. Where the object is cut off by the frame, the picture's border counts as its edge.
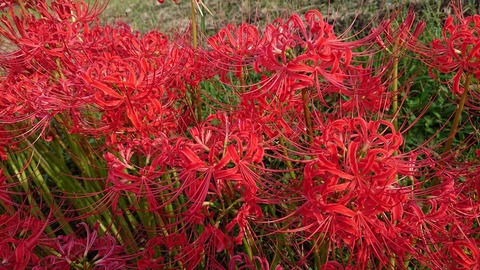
(146, 15)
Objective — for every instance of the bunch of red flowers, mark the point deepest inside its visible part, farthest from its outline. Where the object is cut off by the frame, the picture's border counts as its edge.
(294, 162)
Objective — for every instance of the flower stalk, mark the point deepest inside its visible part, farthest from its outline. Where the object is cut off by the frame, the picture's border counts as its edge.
(458, 114)
(196, 95)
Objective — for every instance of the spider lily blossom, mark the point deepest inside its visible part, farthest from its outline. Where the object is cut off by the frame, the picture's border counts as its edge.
(459, 49)
(263, 148)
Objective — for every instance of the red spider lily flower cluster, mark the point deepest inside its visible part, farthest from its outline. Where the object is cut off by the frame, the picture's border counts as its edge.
(296, 163)
(459, 49)
(92, 251)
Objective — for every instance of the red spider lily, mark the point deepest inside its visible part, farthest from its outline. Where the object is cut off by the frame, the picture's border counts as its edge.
(248, 152)
(305, 53)
(270, 115)
(299, 52)
(37, 36)
(142, 185)
(126, 176)
(65, 8)
(442, 219)
(465, 254)
(247, 213)
(198, 178)
(32, 102)
(401, 36)
(195, 193)
(352, 197)
(20, 234)
(210, 243)
(247, 263)
(103, 87)
(366, 94)
(136, 92)
(439, 238)
(40, 90)
(93, 251)
(273, 112)
(459, 50)
(126, 79)
(234, 47)
(212, 144)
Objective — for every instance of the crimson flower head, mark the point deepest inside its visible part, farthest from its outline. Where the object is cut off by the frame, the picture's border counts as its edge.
(234, 48)
(352, 196)
(364, 92)
(459, 49)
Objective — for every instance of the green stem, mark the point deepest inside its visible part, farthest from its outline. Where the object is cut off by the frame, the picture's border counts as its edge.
(193, 18)
(203, 27)
(48, 197)
(316, 254)
(175, 250)
(22, 7)
(17, 163)
(147, 218)
(320, 251)
(287, 161)
(395, 94)
(248, 248)
(458, 115)
(58, 171)
(226, 211)
(195, 92)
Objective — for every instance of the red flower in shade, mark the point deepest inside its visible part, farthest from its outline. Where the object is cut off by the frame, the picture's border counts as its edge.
(209, 244)
(90, 252)
(150, 257)
(242, 261)
(459, 49)
(247, 213)
(19, 235)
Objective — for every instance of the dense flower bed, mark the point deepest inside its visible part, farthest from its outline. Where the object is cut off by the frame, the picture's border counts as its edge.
(277, 148)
